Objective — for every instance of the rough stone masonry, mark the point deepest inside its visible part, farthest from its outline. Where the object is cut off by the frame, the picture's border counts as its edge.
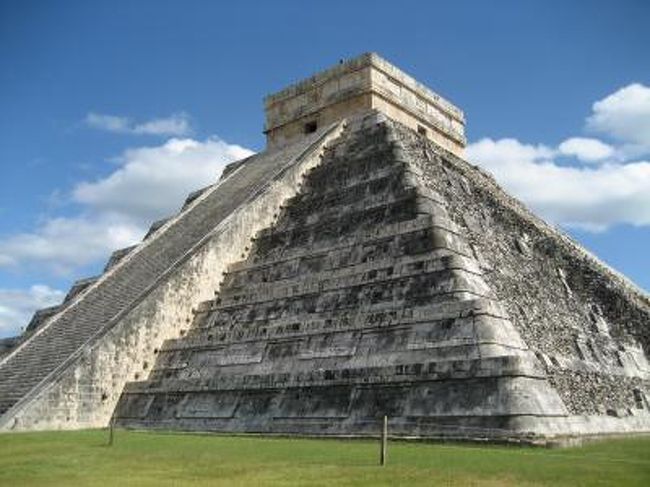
(357, 268)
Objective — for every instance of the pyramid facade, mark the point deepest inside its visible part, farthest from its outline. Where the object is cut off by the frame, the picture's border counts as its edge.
(401, 281)
(357, 268)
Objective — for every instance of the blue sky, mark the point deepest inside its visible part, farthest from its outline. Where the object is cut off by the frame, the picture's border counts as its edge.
(112, 111)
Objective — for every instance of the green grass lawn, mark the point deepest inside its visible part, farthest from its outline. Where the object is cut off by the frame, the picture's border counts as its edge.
(157, 459)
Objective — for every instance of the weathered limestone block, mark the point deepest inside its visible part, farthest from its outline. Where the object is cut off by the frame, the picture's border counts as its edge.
(364, 83)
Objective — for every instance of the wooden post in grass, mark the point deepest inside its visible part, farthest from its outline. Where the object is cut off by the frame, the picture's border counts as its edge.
(110, 431)
(384, 442)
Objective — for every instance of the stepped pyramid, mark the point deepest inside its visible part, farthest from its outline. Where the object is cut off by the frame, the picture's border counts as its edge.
(357, 268)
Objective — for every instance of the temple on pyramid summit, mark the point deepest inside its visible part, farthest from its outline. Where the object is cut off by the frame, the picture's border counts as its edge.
(357, 268)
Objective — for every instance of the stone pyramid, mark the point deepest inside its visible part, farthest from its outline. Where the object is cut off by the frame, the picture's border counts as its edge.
(357, 268)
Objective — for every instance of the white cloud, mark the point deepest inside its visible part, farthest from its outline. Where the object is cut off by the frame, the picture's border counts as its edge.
(593, 198)
(586, 149)
(624, 115)
(153, 180)
(65, 243)
(116, 211)
(177, 124)
(110, 123)
(18, 305)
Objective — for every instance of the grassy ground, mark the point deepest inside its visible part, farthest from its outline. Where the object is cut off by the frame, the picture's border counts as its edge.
(82, 458)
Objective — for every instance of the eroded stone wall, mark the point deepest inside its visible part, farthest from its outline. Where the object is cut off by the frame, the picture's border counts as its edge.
(588, 326)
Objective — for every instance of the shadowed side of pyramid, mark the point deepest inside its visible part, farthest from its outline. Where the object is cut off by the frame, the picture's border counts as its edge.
(588, 326)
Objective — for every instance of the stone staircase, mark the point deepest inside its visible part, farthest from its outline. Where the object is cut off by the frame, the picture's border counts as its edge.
(130, 277)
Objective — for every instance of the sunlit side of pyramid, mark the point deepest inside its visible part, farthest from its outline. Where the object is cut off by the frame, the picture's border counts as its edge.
(357, 268)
